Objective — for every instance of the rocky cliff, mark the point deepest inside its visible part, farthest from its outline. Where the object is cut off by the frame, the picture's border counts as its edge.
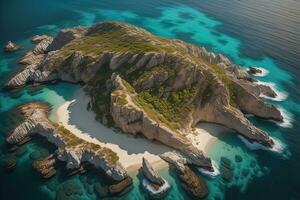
(71, 149)
(146, 84)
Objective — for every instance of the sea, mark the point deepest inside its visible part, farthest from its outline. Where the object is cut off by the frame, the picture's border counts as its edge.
(262, 33)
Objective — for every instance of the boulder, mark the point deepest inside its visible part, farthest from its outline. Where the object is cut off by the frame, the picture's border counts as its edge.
(156, 186)
(254, 70)
(151, 174)
(193, 184)
(11, 47)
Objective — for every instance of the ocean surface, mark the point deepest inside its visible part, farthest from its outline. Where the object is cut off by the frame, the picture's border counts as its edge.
(264, 33)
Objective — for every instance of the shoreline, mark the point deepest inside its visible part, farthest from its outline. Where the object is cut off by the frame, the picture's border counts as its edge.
(75, 117)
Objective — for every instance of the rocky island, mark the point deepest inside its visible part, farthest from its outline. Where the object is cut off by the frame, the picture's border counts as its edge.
(143, 84)
(11, 47)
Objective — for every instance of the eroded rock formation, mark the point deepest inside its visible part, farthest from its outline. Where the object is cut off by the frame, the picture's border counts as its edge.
(145, 84)
(71, 149)
(11, 47)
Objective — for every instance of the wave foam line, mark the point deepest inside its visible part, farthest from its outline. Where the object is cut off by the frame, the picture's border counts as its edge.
(287, 119)
(264, 72)
(278, 146)
(216, 171)
(281, 95)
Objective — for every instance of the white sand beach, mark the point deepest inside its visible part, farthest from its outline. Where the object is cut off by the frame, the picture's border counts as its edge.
(130, 149)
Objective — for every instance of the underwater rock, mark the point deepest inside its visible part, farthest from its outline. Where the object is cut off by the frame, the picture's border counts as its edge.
(11, 47)
(39, 153)
(238, 158)
(35, 89)
(9, 163)
(245, 172)
(70, 190)
(121, 186)
(101, 191)
(21, 151)
(226, 169)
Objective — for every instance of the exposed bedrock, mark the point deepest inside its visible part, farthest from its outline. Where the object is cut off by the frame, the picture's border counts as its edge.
(174, 87)
(71, 149)
(156, 186)
(190, 181)
(11, 47)
(151, 174)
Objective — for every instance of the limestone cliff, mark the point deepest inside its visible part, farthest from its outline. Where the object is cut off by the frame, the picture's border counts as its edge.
(146, 84)
(71, 149)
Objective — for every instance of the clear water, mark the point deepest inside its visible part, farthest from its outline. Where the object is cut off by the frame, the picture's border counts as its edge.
(259, 33)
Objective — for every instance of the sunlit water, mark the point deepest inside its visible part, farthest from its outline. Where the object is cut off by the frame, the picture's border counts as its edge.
(270, 174)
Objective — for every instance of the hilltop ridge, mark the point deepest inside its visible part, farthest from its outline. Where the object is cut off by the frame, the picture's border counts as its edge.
(145, 84)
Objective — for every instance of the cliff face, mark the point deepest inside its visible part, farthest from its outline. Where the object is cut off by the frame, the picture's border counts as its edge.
(71, 149)
(158, 87)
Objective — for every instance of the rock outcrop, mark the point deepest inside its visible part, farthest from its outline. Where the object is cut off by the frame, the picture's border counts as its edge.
(253, 70)
(45, 167)
(156, 186)
(150, 85)
(191, 182)
(38, 38)
(11, 47)
(71, 149)
(151, 174)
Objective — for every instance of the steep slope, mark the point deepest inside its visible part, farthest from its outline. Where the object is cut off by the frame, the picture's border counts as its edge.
(158, 87)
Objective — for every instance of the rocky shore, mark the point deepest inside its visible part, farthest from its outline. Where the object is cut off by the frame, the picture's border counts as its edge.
(143, 84)
(156, 186)
(11, 47)
(71, 149)
(253, 70)
(191, 182)
(163, 73)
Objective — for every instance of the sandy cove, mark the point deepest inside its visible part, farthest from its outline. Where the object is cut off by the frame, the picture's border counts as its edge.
(130, 149)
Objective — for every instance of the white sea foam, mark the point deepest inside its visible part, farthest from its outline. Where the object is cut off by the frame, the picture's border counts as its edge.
(264, 72)
(248, 115)
(281, 95)
(277, 147)
(161, 190)
(287, 119)
(216, 171)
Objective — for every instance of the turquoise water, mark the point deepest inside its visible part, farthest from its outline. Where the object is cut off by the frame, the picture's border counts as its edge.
(193, 22)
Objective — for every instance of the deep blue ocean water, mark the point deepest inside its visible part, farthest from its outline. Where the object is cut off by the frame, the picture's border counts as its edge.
(251, 32)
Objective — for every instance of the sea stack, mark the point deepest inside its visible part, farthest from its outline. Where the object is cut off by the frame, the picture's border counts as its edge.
(11, 47)
(190, 181)
(254, 70)
(156, 186)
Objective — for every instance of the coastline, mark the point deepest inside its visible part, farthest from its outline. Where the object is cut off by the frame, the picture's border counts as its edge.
(75, 117)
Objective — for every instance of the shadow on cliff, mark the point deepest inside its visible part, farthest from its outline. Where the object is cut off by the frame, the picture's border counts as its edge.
(84, 120)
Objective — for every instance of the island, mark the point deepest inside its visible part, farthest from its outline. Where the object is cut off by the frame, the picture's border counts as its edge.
(143, 84)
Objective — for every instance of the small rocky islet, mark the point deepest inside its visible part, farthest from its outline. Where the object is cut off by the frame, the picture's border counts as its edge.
(140, 83)
(11, 47)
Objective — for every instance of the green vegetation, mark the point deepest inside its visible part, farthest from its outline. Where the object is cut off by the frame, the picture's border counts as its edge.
(170, 109)
(115, 40)
(145, 74)
(121, 100)
(221, 73)
(72, 141)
